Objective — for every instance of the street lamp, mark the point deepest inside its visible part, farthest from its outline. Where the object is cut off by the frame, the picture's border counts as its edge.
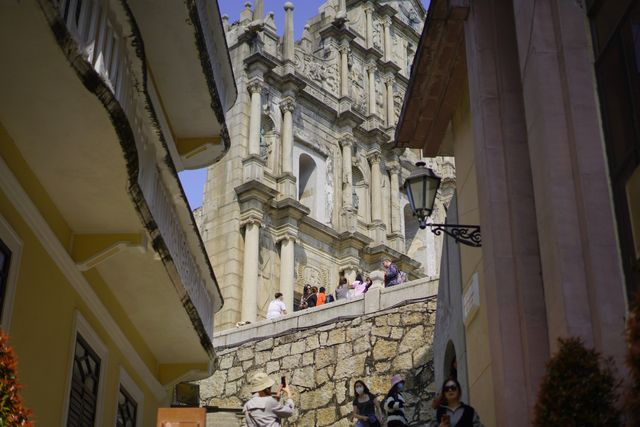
(421, 188)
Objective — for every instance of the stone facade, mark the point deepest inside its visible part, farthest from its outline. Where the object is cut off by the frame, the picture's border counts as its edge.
(322, 363)
(310, 189)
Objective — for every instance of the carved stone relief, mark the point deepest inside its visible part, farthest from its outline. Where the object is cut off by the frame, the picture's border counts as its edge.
(377, 34)
(329, 190)
(323, 71)
(358, 85)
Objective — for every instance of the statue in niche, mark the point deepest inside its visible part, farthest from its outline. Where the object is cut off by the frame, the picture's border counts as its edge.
(379, 94)
(265, 146)
(355, 200)
(398, 100)
(357, 87)
(377, 35)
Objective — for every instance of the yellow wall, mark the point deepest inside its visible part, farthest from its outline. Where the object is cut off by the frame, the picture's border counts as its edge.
(44, 310)
(477, 338)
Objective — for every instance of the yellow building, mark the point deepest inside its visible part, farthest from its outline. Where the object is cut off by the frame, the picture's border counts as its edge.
(106, 290)
(529, 98)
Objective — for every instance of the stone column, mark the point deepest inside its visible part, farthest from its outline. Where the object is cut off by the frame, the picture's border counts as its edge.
(390, 110)
(394, 169)
(288, 46)
(255, 88)
(511, 264)
(344, 70)
(287, 245)
(386, 23)
(376, 188)
(258, 10)
(342, 9)
(347, 181)
(372, 88)
(287, 106)
(368, 10)
(250, 270)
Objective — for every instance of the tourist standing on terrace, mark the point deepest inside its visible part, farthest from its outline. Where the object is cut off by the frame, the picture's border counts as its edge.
(322, 297)
(277, 307)
(391, 273)
(342, 289)
(359, 286)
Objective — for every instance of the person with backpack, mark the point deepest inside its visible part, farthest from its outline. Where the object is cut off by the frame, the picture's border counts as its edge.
(394, 404)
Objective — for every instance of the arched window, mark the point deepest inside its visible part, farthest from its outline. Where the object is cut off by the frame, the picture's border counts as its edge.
(450, 362)
(360, 194)
(307, 185)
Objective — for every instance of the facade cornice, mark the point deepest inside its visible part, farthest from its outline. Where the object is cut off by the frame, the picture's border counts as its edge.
(255, 190)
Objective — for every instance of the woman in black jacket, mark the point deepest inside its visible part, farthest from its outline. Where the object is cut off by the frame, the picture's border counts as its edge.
(451, 412)
(394, 404)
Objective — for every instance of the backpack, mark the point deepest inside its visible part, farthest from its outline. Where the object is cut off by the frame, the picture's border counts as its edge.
(329, 298)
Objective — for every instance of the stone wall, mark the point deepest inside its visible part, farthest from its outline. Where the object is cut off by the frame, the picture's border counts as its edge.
(322, 362)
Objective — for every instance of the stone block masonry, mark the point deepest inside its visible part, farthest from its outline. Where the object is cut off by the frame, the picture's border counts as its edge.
(324, 359)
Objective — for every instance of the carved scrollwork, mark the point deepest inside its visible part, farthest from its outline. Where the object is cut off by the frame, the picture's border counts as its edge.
(465, 234)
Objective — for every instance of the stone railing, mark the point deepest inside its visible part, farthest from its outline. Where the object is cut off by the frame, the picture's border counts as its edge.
(97, 29)
(370, 303)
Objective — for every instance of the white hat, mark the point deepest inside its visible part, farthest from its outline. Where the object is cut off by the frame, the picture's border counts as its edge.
(260, 381)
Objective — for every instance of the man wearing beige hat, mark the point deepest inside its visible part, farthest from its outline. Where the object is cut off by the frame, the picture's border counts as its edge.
(265, 409)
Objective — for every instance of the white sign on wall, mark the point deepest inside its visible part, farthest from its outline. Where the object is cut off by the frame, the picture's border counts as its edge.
(470, 300)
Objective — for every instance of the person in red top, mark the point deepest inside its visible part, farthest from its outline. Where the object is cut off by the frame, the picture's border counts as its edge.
(322, 297)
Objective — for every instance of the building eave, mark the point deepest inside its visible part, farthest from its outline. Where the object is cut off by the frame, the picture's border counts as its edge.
(438, 77)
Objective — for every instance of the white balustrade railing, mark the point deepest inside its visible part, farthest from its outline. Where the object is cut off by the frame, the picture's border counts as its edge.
(93, 25)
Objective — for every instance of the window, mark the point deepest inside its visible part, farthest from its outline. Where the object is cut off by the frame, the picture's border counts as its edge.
(83, 399)
(5, 261)
(10, 256)
(127, 409)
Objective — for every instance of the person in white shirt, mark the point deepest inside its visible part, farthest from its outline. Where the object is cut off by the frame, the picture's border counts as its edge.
(276, 307)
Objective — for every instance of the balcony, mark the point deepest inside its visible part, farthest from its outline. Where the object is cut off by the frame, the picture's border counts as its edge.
(106, 151)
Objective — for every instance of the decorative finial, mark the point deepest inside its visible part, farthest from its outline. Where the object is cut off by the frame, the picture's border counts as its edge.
(288, 6)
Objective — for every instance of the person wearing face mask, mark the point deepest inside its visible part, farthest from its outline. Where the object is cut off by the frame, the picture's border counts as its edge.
(266, 409)
(394, 403)
(451, 412)
(365, 406)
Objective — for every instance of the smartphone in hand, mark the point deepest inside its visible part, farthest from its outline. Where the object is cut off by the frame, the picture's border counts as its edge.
(283, 381)
(446, 420)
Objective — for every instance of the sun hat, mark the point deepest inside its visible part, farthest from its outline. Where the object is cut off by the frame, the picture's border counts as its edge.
(259, 381)
(396, 379)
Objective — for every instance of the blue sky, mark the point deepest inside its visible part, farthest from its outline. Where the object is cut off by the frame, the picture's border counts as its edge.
(193, 181)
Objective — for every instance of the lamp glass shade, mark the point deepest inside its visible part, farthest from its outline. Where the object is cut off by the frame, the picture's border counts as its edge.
(421, 187)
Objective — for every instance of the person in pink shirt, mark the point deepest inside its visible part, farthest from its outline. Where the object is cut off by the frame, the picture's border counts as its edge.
(359, 286)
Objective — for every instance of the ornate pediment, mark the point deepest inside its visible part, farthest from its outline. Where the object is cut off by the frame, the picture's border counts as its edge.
(411, 12)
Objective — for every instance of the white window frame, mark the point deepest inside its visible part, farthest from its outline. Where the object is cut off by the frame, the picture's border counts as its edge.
(81, 326)
(136, 393)
(10, 238)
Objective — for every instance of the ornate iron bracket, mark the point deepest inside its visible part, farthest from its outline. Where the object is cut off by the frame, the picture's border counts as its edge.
(466, 234)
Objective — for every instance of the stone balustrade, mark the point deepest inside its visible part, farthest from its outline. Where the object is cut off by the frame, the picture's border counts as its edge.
(373, 301)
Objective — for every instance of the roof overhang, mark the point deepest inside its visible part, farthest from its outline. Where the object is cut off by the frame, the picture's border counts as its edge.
(189, 64)
(438, 79)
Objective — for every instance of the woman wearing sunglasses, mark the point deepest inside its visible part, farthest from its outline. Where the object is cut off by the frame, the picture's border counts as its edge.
(451, 411)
